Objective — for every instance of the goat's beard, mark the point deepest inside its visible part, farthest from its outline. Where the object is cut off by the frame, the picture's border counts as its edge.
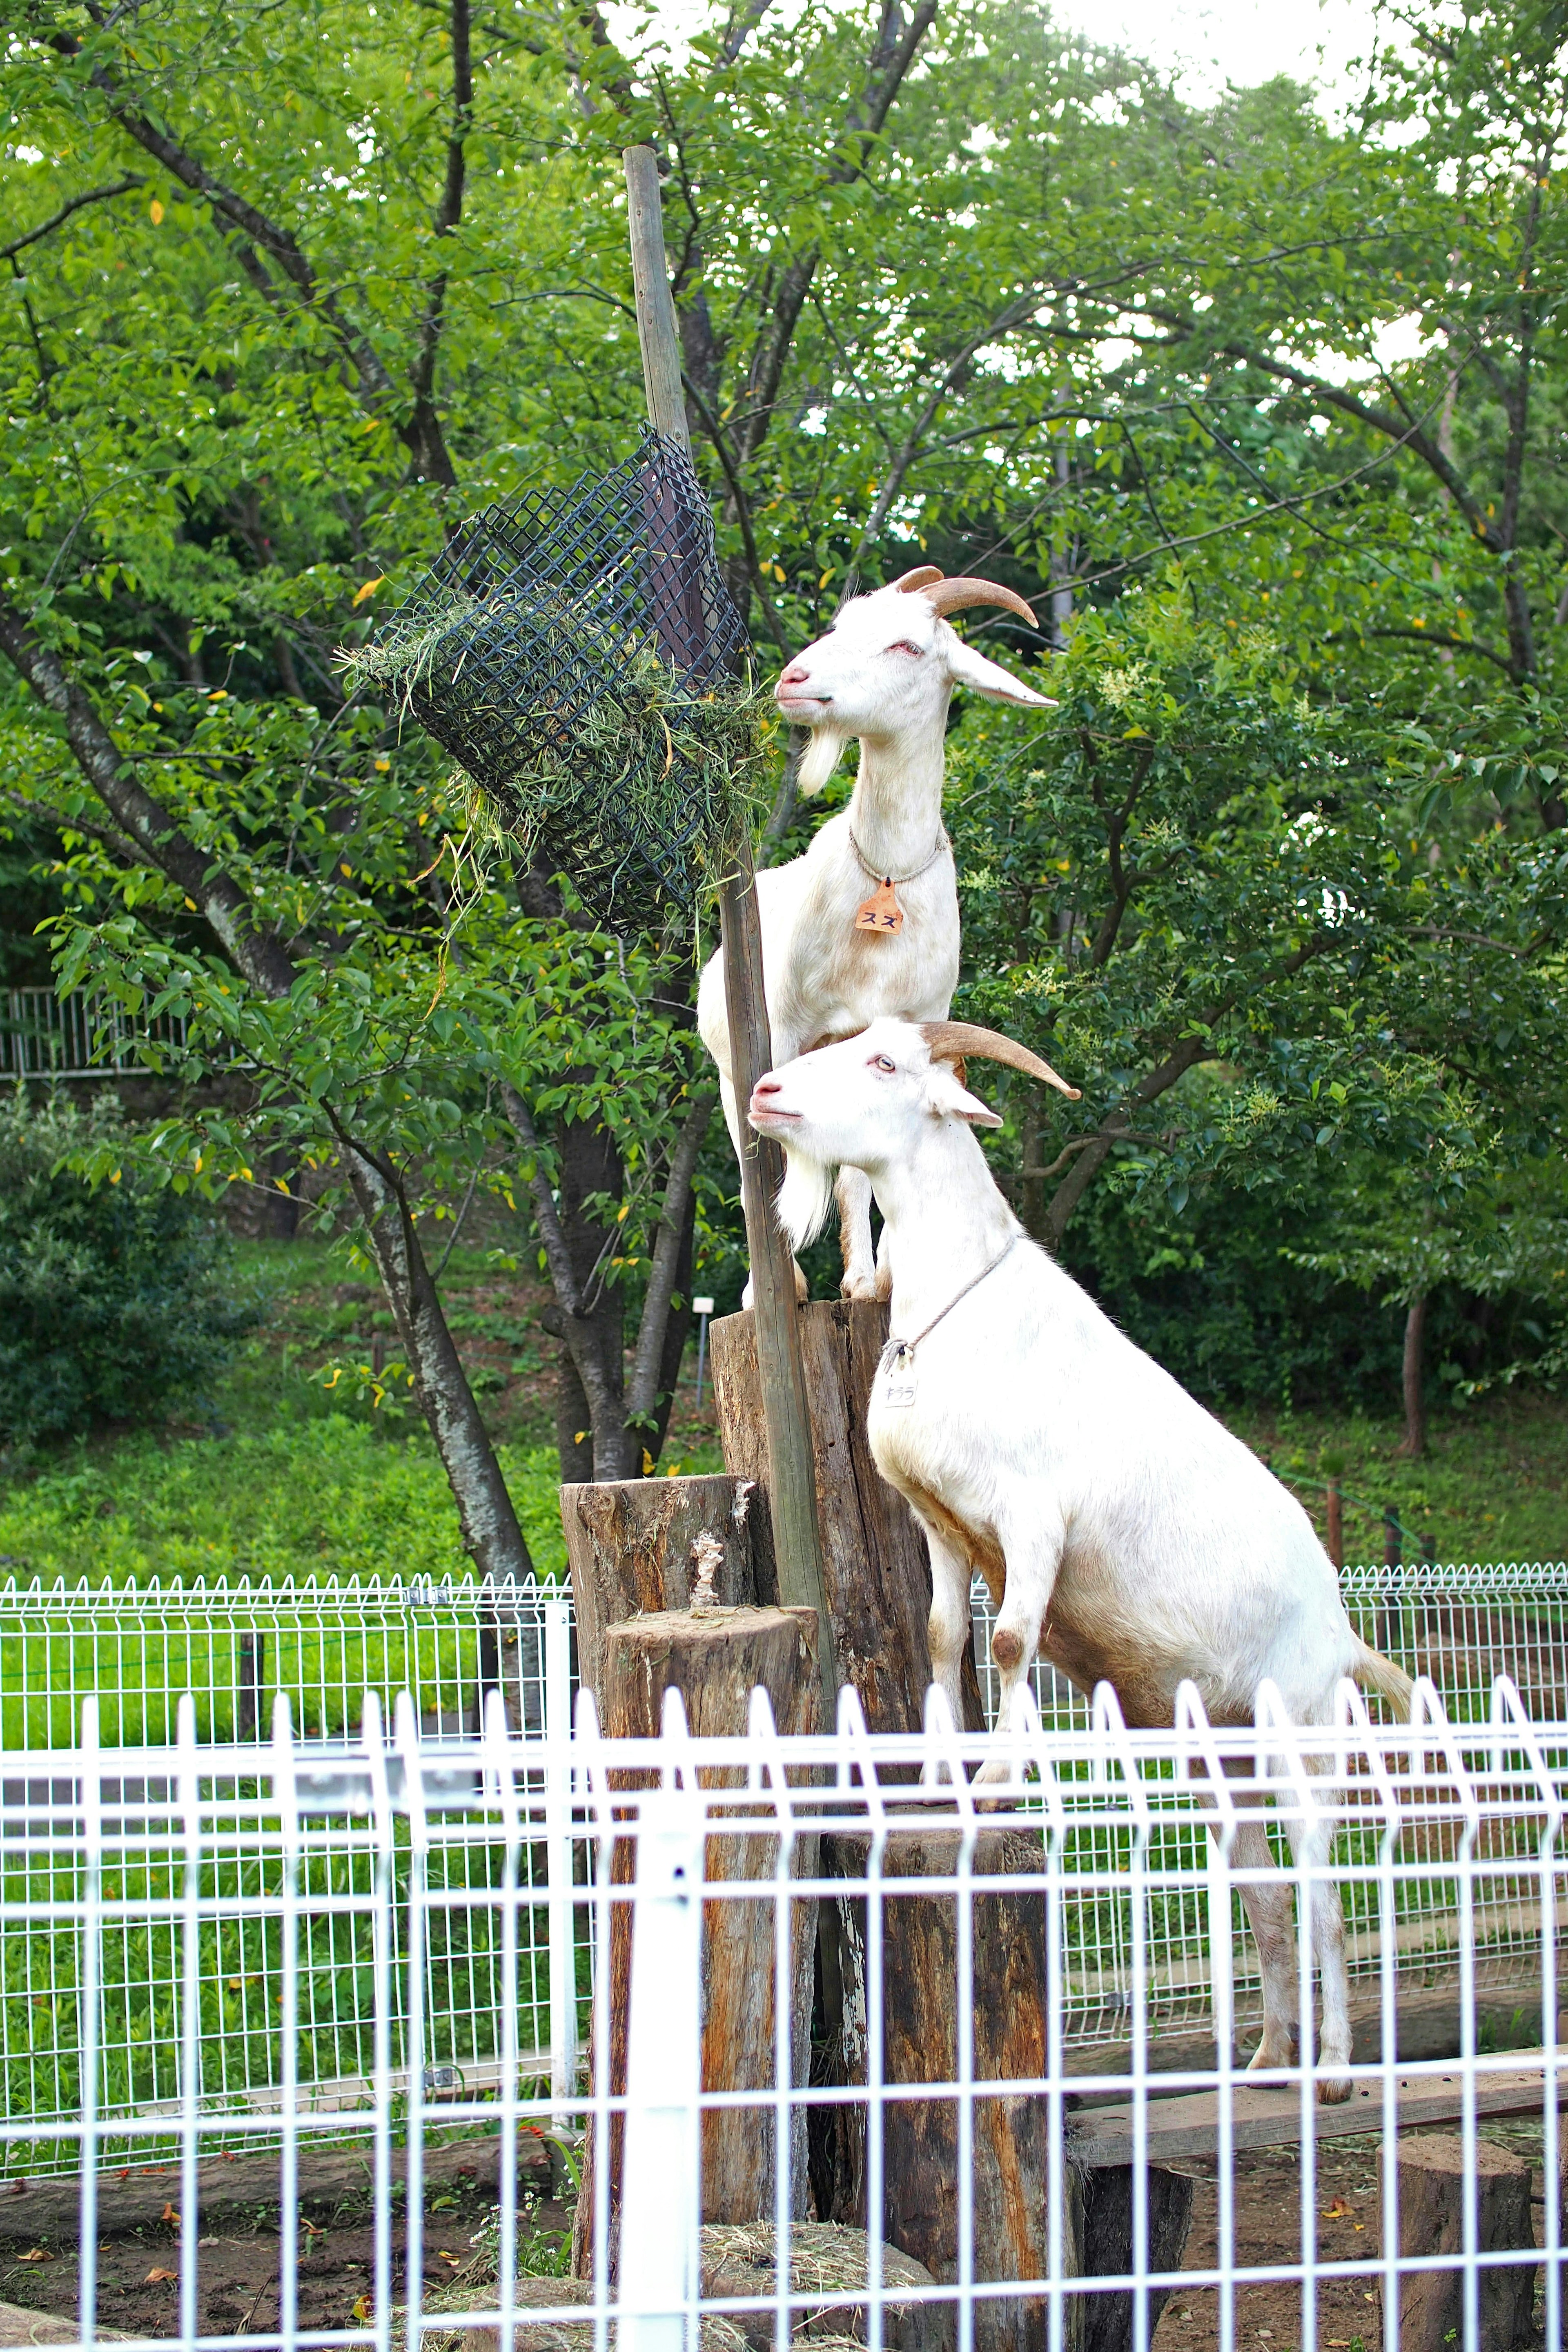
(818, 759)
(804, 1198)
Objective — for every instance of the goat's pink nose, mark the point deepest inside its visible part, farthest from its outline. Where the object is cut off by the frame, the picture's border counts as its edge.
(767, 1086)
(796, 675)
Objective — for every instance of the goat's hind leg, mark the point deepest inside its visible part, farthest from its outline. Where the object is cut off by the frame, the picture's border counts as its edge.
(1313, 1848)
(853, 1191)
(1270, 1914)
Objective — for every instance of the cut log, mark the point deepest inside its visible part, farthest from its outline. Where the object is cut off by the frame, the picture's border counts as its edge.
(629, 1542)
(1433, 2179)
(1106, 2323)
(715, 1658)
(1008, 2172)
(877, 1583)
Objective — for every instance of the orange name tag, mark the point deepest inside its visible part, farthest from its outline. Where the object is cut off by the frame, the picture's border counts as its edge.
(882, 912)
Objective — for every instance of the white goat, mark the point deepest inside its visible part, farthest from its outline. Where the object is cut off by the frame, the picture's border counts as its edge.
(836, 949)
(1121, 1528)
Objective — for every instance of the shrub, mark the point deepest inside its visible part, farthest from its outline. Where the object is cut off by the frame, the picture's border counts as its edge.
(115, 1299)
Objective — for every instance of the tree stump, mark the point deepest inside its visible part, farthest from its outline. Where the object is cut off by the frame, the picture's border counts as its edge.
(1104, 2323)
(875, 1574)
(1432, 2190)
(877, 1583)
(715, 1658)
(629, 1542)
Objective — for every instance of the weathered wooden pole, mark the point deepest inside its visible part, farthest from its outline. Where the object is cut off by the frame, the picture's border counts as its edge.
(792, 1488)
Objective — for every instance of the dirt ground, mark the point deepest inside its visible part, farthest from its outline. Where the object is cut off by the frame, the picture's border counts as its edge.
(1268, 2317)
(238, 2266)
(238, 2274)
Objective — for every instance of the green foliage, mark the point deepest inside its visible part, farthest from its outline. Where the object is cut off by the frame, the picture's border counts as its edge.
(116, 1299)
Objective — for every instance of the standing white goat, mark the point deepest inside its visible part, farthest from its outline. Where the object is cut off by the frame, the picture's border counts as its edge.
(1121, 1528)
(838, 949)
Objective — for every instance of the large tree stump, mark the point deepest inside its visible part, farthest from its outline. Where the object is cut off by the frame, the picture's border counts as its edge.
(1432, 2189)
(629, 1542)
(875, 1574)
(876, 1581)
(715, 1658)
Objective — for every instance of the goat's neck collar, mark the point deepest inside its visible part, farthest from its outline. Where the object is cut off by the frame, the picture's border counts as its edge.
(896, 810)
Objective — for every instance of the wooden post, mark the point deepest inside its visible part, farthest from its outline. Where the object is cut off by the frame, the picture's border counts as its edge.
(875, 1574)
(715, 1657)
(791, 1490)
(877, 1583)
(630, 1542)
(1433, 2184)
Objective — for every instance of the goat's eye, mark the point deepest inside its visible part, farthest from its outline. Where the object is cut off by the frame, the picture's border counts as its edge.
(882, 1063)
(904, 646)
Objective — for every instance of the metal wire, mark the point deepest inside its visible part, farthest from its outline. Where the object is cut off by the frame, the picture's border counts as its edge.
(530, 630)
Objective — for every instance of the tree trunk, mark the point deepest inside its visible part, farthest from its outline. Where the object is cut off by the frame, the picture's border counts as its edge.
(589, 1163)
(1415, 1382)
(492, 1535)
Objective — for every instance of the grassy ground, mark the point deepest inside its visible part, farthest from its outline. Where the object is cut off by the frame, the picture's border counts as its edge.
(1493, 1484)
(288, 1472)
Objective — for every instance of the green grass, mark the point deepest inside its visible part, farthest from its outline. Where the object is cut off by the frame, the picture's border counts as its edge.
(1493, 1484)
(333, 1496)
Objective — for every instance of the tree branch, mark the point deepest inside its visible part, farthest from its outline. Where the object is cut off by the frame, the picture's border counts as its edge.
(243, 220)
(426, 441)
(90, 197)
(259, 954)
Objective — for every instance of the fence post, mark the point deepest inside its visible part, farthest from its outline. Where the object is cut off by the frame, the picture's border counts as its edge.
(558, 1846)
(661, 2189)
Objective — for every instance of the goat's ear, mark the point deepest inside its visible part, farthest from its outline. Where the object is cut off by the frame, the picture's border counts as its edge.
(951, 1100)
(987, 677)
(818, 759)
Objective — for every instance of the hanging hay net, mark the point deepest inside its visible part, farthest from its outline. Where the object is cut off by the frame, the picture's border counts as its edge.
(578, 654)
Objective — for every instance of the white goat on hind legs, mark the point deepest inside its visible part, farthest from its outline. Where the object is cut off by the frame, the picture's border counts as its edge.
(1121, 1530)
(836, 949)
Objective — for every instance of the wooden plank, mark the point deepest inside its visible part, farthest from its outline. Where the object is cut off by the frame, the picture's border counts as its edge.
(1189, 2125)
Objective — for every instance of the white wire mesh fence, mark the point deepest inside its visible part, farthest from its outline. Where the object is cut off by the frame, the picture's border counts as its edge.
(235, 1648)
(945, 1901)
(80, 1035)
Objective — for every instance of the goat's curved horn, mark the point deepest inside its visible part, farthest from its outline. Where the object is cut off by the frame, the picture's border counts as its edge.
(924, 575)
(952, 1041)
(946, 596)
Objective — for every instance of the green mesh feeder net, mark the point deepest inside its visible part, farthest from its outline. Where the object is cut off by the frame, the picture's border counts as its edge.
(577, 653)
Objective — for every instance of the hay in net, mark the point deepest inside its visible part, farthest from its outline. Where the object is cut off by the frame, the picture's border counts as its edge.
(577, 652)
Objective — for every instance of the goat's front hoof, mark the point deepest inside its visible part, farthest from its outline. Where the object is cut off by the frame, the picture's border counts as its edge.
(1267, 2056)
(1333, 2090)
(858, 1286)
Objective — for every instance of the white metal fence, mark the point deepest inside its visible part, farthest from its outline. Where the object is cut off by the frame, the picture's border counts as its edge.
(80, 1035)
(235, 1647)
(1092, 1821)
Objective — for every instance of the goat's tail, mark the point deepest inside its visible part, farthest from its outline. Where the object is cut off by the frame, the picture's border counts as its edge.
(1390, 1682)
